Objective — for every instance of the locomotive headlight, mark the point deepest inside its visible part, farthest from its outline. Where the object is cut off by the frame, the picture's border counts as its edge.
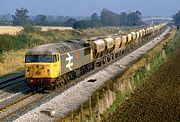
(28, 70)
(48, 71)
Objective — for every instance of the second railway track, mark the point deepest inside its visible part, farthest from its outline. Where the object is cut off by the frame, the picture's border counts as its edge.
(19, 105)
(11, 80)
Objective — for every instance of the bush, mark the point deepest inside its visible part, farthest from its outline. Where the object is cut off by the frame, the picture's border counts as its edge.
(29, 28)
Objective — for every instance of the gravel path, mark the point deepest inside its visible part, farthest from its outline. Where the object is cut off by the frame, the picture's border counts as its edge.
(158, 100)
(72, 98)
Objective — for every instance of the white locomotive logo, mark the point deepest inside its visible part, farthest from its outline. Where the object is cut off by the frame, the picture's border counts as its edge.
(70, 64)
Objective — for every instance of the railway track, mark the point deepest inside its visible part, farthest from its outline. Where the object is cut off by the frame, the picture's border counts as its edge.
(30, 100)
(11, 80)
(19, 104)
(13, 91)
(13, 108)
(12, 85)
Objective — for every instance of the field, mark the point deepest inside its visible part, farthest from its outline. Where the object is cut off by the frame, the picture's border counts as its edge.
(15, 29)
(157, 100)
(12, 61)
(10, 29)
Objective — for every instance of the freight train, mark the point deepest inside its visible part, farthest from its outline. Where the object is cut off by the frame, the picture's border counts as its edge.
(52, 65)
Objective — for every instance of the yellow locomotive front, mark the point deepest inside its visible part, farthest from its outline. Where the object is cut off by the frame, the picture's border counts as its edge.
(41, 70)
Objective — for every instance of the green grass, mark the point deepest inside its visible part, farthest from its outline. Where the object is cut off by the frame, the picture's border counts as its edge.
(142, 73)
(170, 47)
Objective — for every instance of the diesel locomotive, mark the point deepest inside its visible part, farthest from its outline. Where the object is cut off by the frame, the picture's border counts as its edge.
(51, 65)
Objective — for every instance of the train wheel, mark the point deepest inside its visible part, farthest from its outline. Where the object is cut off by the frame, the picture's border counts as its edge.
(72, 75)
(62, 82)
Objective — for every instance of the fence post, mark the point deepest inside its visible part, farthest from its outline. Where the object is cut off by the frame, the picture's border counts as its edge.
(98, 106)
(72, 117)
(109, 97)
(114, 95)
(81, 114)
(164, 53)
(90, 110)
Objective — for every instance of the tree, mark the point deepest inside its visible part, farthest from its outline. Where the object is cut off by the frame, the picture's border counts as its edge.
(50, 18)
(70, 22)
(41, 19)
(20, 17)
(109, 18)
(82, 24)
(60, 18)
(28, 28)
(123, 18)
(176, 18)
(138, 13)
(134, 18)
(94, 17)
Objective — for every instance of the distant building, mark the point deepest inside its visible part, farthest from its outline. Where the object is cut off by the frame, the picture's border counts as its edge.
(5, 23)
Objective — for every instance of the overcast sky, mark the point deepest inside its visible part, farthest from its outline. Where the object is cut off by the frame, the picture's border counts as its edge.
(87, 7)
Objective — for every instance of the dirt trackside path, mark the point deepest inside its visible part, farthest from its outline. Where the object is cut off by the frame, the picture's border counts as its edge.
(158, 100)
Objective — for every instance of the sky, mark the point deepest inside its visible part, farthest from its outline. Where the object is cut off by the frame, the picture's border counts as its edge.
(87, 7)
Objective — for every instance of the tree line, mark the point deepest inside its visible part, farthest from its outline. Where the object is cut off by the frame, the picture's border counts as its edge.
(106, 18)
(176, 18)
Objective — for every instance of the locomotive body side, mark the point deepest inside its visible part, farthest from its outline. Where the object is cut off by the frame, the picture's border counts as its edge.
(75, 59)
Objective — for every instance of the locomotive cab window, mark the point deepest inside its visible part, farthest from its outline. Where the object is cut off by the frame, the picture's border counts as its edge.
(38, 58)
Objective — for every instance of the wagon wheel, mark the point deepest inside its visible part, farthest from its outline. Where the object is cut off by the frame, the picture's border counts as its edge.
(63, 82)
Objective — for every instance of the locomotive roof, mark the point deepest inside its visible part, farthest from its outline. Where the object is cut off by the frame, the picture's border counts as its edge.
(61, 47)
